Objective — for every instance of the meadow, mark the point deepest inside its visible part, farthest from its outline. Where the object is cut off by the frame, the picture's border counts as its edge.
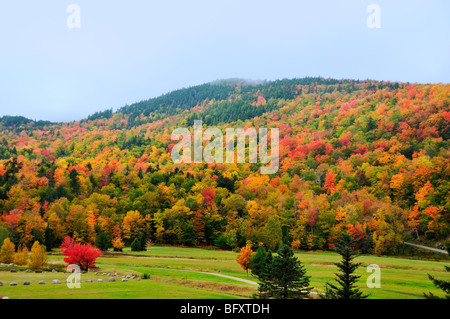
(189, 273)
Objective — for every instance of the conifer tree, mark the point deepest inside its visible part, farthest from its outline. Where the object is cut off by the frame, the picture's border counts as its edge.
(284, 277)
(442, 284)
(346, 279)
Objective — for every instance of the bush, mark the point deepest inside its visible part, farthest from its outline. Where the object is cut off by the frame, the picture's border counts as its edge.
(84, 256)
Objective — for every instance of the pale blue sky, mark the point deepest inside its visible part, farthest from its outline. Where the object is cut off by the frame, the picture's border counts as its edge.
(127, 51)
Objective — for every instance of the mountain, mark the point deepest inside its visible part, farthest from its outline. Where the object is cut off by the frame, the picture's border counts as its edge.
(368, 158)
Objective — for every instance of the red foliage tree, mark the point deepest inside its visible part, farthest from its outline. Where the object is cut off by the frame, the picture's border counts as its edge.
(84, 256)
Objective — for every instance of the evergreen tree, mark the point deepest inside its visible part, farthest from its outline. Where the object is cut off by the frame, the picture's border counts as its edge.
(49, 238)
(346, 280)
(284, 277)
(136, 245)
(103, 242)
(261, 258)
(143, 242)
(442, 284)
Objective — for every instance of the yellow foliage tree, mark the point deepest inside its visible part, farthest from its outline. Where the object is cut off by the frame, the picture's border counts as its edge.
(7, 251)
(21, 257)
(38, 257)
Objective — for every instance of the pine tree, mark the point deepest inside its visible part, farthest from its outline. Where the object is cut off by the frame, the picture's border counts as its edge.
(444, 285)
(346, 280)
(49, 238)
(136, 245)
(259, 260)
(103, 242)
(143, 242)
(284, 277)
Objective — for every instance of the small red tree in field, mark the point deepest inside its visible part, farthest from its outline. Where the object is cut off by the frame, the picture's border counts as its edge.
(84, 256)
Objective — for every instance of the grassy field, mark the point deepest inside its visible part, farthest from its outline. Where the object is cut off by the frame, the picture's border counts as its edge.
(177, 272)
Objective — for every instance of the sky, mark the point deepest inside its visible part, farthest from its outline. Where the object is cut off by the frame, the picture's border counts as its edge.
(125, 51)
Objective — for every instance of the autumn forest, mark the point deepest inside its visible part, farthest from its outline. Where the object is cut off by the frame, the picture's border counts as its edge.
(366, 158)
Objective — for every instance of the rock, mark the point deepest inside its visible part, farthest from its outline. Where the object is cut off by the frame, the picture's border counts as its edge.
(104, 274)
(56, 282)
(26, 283)
(89, 280)
(96, 273)
(38, 271)
(124, 279)
(100, 280)
(132, 277)
(128, 276)
(1, 283)
(5, 297)
(41, 282)
(13, 270)
(54, 270)
(109, 275)
(138, 278)
(112, 279)
(13, 284)
(11, 265)
(29, 270)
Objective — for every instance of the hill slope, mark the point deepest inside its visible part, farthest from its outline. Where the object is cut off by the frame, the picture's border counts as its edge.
(365, 157)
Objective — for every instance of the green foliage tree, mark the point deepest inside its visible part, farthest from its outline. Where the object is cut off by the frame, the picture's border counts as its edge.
(49, 238)
(136, 245)
(3, 235)
(346, 279)
(284, 277)
(103, 242)
(261, 258)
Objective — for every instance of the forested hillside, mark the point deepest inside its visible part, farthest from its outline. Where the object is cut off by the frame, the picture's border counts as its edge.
(368, 158)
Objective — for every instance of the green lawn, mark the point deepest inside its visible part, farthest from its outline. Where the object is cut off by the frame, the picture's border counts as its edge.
(175, 273)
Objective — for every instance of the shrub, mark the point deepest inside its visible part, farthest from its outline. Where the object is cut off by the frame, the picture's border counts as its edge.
(84, 256)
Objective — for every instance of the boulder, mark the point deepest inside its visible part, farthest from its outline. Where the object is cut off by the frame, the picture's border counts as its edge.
(5, 297)
(29, 270)
(124, 279)
(89, 280)
(26, 283)
(13, 284)
(38, 271)
(56, 282)
(100, 280)
(13, 270)
(112, 279)
(1, 283)
(41, 282)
